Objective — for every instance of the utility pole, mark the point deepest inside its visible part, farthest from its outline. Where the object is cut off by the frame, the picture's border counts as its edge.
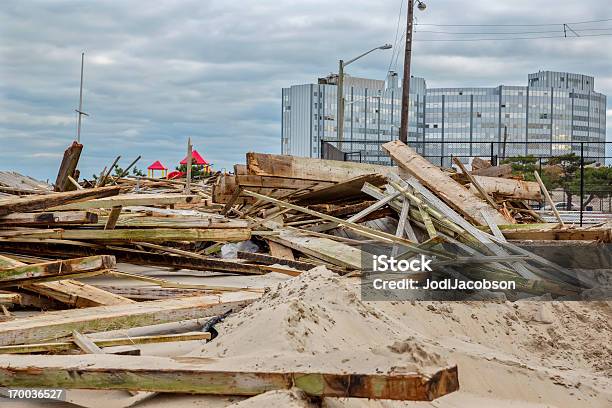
(403, 136)
(80, 110)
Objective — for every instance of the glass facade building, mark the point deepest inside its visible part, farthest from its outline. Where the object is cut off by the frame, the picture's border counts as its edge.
(552, 115)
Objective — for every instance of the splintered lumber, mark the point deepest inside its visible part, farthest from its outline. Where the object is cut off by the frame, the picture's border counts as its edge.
(133, 256)
(271, 260)
(280, 251)
(348, 190)
(285, 183)
(139, 221)
(310, 169)
(549, 233)
(483, 193)
(30, 273)
(454, 217)
(550, 201)
(85, 343)
(31, 203)
(509, 188)
(7, 297)
(76, 294)
(162, 374)
(372, 233)
(68, 291)
(111, 221)
(504, 170)
(59, 347)
(440, 183)
(326, 249)
(68, 167)
(126, 200)
(146, 234)
(55, 325)
(49, 218)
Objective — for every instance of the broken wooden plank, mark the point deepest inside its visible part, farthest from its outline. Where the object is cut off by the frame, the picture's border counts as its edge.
(8, 297)
(85, 343)
(509, 188)
(251, 180)
(280, 251)
(77, 294)
(69, 291)
(49, 218)
(483, 193)
(146, 234)
(504, 170)
(137, 257)
(59, 347)
(111, 221)
(549, 199)
(309, 168)
(31, 203)
(208, 221)
(441, 184)
(55, 325)
(75, 183)
(29, 273)
(271, 260)
(126, 200)
(162, 374)
(345, 191)
(68, 167)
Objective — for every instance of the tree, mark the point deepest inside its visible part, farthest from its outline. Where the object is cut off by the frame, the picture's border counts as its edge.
(197, 171)
(135, 171)
(525, 166)
(597, 183)
(569, 165)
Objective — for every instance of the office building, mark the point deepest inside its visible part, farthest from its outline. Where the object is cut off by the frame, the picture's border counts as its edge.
(552, 115)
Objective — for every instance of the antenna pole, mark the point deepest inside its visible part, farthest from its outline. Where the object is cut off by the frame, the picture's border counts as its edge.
(80, 110)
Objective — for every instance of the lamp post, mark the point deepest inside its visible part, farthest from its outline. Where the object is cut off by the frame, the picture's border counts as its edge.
(406, 80)
(340, 93)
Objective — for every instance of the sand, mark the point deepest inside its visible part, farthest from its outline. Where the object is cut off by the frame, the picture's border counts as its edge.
(527, 354)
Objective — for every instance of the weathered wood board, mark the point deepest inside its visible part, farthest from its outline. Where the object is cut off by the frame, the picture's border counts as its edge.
(162, 374)
(310, 169)
(55, 325)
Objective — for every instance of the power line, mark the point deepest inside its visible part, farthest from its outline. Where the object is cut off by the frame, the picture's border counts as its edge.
(397, 29)
(515, 25)
(509, 32)
(506, 38)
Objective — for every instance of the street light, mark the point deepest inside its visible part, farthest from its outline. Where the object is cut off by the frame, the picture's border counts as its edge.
(340, 103)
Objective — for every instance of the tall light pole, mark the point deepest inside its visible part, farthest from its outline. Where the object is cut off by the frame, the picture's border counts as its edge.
(406, 80)
(340, 93)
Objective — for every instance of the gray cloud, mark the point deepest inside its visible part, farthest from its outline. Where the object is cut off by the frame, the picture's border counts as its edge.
(158, 72)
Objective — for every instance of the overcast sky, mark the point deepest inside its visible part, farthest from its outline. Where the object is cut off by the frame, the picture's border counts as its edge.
(159, 71)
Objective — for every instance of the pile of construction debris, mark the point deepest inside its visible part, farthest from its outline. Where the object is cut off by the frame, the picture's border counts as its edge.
(135, 265)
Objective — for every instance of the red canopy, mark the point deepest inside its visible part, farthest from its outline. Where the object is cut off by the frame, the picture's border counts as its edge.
(157, 166)
(195, 159)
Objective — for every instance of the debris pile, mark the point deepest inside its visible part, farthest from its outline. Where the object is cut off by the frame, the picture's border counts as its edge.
(275, 256)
